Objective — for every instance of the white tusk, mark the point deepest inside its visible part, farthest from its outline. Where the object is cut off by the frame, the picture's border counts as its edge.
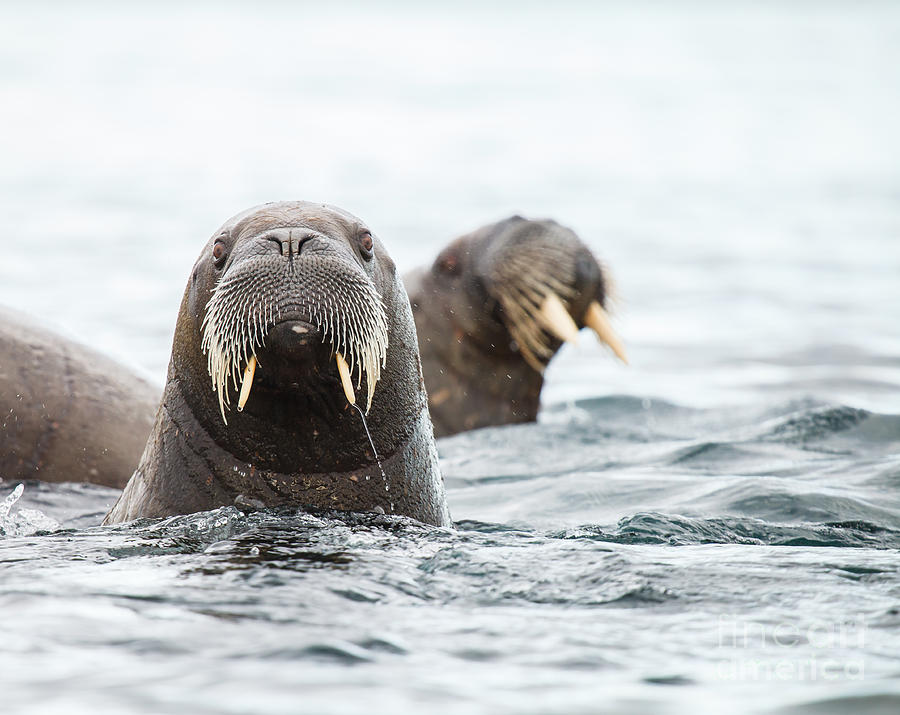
(598, 321)
(557, 320)
(344, 372)
(249, 371)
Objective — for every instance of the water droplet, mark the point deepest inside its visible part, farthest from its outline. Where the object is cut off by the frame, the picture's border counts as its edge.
(10, 500)
(387, 486)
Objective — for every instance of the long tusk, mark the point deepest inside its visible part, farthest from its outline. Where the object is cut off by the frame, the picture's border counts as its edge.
(598, 321)
(557, 320)
(344, 372)
(249, 371)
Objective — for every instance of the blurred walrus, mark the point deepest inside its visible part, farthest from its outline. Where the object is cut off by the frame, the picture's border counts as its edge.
(67, 413)
(492, 311)
(286, 302)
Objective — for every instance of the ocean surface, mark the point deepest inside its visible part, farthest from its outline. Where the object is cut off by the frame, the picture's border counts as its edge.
(715, 528)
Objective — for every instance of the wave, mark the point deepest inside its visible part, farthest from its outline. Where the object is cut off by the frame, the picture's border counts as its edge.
(655, 528)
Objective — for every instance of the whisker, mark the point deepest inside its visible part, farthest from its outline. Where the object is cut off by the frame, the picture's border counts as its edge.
(252, 297)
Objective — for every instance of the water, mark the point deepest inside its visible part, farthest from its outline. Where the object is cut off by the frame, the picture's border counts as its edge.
(714, 529)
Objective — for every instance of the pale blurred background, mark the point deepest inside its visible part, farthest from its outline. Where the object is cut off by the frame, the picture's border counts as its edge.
(737, 166)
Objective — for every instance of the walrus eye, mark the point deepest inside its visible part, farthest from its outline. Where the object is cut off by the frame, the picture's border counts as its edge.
(365, 245)
(449, 263)
(218, 253)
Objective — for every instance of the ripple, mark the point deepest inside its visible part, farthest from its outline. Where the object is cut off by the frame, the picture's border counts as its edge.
(654, 528)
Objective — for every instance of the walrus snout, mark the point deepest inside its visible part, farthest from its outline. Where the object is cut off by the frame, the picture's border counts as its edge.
(527, 284)
(293, 349)
(293, 359)
(293, 341)
(298, 297)
(289, 241)
(293, 335)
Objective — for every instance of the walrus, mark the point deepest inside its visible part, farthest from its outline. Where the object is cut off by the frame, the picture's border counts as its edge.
(67, 413)
(493, 309)
(291, 308)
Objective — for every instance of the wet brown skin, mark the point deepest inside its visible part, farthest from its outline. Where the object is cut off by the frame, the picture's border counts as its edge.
(69, 414)
(475, 373)
(297, 441)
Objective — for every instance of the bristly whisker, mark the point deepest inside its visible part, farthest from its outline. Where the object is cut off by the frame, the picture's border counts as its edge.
(522, 282)
(340, 301)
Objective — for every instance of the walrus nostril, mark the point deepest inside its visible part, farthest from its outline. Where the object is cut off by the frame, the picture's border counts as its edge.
(283, 242)
(298, 242)
(289, 242)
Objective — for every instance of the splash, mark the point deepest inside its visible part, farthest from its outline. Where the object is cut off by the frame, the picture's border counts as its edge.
(22, 522)
(10, 501)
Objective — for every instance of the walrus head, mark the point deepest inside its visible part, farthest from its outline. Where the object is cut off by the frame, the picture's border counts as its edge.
(290, 309)
(525, 287)
(286, 302)
(285, 286)
(492, 311)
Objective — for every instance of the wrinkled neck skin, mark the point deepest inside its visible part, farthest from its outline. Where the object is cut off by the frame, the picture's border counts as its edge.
(184, 471)
(472, 382)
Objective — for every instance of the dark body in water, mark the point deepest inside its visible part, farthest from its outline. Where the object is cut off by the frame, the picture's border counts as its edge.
(483, 339)
(289, 286)
(492, 311)
(68, 412)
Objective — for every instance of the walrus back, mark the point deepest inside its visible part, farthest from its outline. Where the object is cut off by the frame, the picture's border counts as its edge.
(69, 414)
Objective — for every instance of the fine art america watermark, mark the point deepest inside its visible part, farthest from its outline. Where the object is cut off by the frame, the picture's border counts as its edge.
(785, 651)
